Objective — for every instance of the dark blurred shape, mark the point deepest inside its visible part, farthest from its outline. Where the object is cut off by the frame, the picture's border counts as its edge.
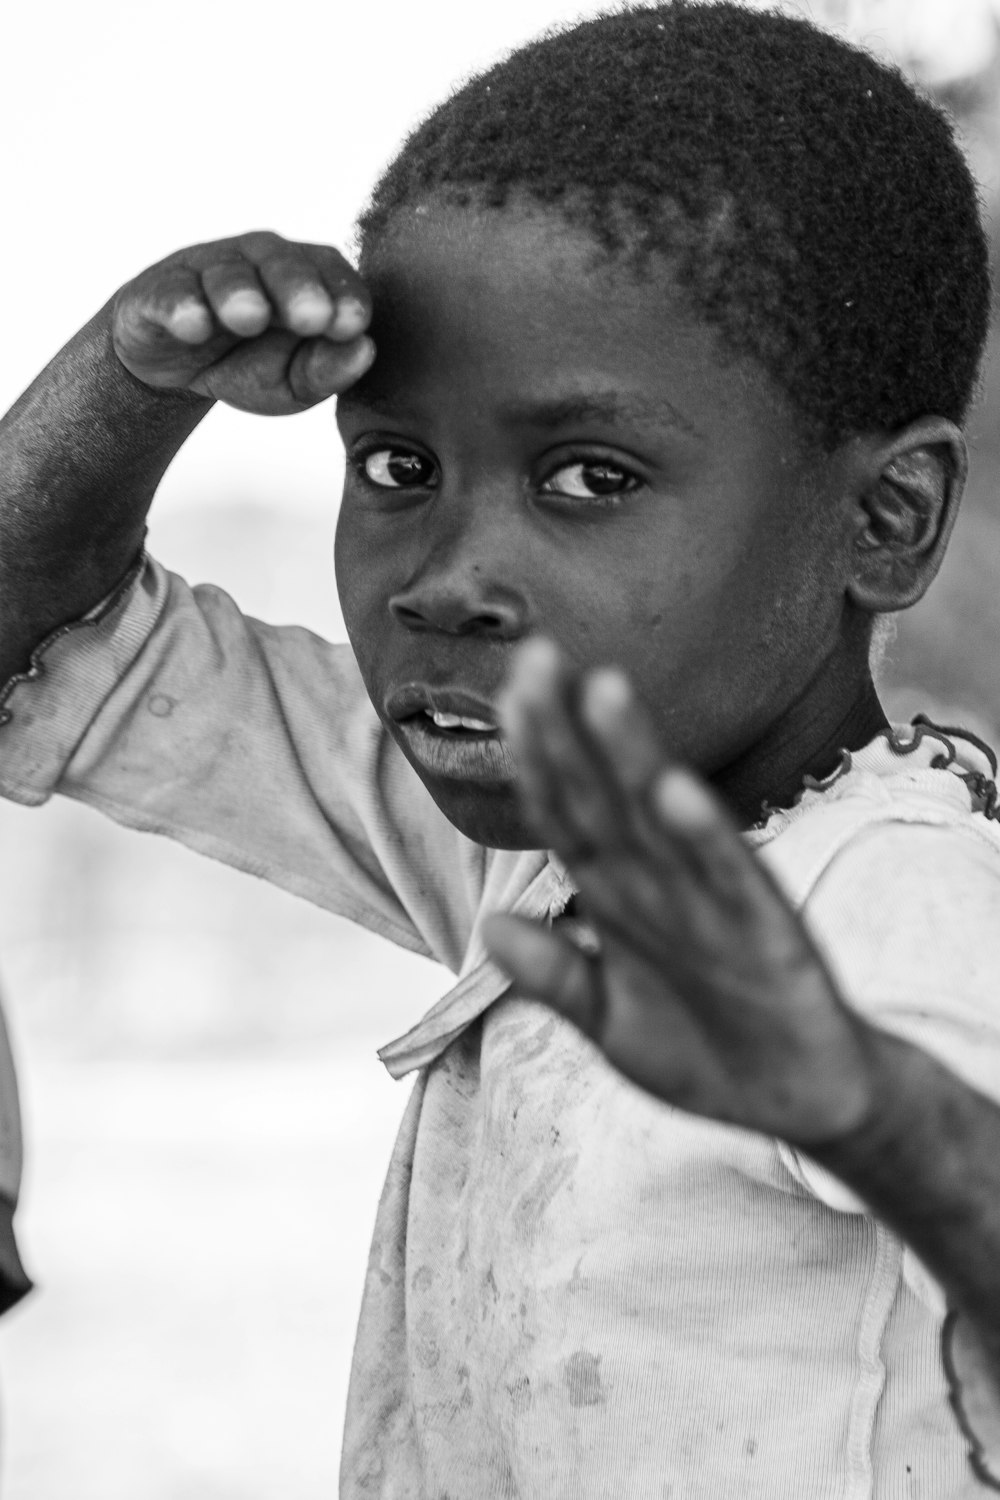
(14, 1280)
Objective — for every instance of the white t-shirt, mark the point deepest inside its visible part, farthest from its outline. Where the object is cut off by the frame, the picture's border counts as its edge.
(574, 1292)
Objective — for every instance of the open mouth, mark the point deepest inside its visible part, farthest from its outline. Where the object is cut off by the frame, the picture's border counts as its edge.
(458, 746)
(452, 731)
(456, 726)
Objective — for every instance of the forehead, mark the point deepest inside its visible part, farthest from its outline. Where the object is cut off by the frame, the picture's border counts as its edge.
(516, 277)
(518, 310)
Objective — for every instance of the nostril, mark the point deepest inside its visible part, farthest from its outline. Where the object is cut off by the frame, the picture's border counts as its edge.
(455, 613)
(406, 615)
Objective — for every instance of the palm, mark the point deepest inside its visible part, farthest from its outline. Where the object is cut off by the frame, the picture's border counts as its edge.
(707, 990)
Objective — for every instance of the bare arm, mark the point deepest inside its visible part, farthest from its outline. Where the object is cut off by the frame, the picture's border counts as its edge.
(927, 1160)
(81, 455)
(260, 323)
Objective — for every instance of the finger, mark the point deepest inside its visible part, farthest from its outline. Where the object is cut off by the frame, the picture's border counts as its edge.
(626, 740)
(564, 781)
(324, 270)
(349, 293)
(534, 680)
(173, 304)
(545, 966)
(622, 728)
(319, 369)
(697, 824)
(315, 292)
(311, 290)
(234, 292)
(301, 302)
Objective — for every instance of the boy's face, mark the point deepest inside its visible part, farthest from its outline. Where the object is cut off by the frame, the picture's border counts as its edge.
(546, 444)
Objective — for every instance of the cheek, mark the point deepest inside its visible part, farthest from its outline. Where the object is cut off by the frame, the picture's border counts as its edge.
(362, 571)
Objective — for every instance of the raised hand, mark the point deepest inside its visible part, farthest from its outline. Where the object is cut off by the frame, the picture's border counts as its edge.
(707, 990)
(256, 321)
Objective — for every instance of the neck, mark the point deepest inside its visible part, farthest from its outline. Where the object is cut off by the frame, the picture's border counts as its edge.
(806, 741)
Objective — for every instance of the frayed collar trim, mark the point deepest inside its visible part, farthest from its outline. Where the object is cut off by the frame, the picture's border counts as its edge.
(982, 788)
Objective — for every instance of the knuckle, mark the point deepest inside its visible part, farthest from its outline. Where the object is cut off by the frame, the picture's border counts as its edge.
(227, 274)
(258, 243)
(290, 274)
(337, 274)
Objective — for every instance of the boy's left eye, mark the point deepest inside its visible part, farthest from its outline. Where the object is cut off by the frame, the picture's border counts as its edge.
(590, 479)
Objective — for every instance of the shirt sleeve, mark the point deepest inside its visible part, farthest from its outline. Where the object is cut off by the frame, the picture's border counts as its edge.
(172, 712)
(905, 916)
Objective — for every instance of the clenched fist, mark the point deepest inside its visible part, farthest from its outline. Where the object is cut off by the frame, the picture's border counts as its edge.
(257, 321)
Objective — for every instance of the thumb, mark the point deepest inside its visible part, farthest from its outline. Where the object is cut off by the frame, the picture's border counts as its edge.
(546, 966)
(320, 368)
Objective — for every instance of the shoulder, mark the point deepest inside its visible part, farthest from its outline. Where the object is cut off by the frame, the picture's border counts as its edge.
(911, 802)
(904, 913)
(895, 866)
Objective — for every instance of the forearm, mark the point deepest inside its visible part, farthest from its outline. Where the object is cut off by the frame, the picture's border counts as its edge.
(927, 1160)
(81, 455)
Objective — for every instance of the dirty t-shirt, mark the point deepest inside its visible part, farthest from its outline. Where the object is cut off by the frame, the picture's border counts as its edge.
(574, 1292)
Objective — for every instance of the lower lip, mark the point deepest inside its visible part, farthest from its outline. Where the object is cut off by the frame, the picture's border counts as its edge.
(473, 757)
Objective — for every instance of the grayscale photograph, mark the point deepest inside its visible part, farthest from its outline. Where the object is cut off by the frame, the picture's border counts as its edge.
(499, 728)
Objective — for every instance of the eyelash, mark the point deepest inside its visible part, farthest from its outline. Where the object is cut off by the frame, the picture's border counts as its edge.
(359, 459)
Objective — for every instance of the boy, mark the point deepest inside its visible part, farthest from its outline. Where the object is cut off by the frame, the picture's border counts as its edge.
(678, 315)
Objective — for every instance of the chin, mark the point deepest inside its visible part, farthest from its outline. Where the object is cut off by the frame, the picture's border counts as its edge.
(492, 817)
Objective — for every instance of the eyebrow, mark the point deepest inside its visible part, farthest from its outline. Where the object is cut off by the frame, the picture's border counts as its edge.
(598, 406)
(595, 406)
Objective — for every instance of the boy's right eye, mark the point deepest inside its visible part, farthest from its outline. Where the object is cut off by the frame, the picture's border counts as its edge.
(395, 468)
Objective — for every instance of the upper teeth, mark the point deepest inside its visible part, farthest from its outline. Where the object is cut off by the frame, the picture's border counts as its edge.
(456, 721)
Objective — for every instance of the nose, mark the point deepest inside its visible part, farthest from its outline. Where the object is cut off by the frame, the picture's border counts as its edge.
(461, 598)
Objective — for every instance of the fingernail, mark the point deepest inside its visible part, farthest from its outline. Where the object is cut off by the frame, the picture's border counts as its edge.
(682, 799)
(361, 356)
(310, 311)
(246, 304)
(350, 318)
(538, 654)
(534, 666)
(191, 321)
(606, 692)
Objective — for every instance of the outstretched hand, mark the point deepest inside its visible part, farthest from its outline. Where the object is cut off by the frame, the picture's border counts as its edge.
(707, 990)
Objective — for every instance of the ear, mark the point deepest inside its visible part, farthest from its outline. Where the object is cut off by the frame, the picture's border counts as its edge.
(907, 501)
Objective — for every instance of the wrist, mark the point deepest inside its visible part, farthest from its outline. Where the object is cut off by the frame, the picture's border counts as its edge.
(926, 1160)
(882, 1104)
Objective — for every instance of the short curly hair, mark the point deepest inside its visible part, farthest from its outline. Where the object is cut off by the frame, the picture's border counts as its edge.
(815, 207)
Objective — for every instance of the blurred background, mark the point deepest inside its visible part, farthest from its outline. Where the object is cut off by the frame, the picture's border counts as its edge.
(207, 1125)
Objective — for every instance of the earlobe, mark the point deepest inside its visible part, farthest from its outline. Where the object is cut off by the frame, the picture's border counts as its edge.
(906, 510)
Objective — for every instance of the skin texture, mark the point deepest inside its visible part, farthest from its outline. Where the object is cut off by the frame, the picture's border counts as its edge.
(718, 576)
